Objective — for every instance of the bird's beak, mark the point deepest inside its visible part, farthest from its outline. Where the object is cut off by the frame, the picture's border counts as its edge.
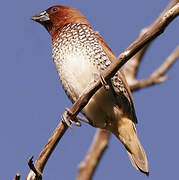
(42, 17)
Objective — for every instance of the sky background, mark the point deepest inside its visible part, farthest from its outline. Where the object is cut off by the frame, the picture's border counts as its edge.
(32, 99)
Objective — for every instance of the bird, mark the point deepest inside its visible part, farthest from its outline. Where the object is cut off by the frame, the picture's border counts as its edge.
(80, 55)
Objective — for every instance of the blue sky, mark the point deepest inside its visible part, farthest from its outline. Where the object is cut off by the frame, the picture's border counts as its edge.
(32, 99)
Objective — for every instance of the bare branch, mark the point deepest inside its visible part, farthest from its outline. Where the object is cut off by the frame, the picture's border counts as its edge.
(131, 67)
(38, 174)
(96, 151)
(17, 177)
(138, 44)
(47, 150)
(167, 63)
(158, 75)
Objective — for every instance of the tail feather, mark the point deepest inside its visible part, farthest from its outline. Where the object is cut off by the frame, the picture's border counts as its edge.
(140, 164)
(127, 134)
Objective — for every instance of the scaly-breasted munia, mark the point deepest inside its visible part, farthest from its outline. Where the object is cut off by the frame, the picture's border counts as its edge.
(79, 53)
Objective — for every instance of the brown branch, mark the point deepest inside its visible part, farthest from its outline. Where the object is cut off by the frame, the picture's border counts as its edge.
(158, 75)
(17, 177)
(139, 43)
(32, 167)
(96, 151)
(88, 165)
(47, 150)
(131, 67)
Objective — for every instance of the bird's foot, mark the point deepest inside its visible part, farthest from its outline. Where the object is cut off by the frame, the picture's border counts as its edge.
(103, 81)
(65, 120)
(73, 120)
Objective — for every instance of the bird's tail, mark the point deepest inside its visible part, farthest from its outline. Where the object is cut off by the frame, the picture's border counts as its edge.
(127, 134)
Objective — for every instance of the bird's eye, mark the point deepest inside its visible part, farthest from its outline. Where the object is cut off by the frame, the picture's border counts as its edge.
(55, 9)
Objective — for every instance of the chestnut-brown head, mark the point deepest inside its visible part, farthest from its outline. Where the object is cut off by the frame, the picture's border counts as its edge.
(55, 17)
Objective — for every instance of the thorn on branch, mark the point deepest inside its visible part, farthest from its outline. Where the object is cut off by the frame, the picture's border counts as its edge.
(38, 174)
(17, 177)
(161, 79)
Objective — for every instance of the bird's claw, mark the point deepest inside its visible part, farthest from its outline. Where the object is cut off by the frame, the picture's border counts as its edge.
(64, 120)
(103, 81)
(83, 120)
(70, 121)
(68, 111)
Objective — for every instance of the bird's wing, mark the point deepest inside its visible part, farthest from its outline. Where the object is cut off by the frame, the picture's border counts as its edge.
(122, 90)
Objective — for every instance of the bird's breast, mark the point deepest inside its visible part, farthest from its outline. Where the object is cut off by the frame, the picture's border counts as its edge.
(78, 57)
(75, 72)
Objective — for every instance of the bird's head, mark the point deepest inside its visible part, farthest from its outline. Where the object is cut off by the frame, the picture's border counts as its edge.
(55, 17)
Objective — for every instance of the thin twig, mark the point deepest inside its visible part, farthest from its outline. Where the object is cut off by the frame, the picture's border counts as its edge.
(17, 177)
(158, 75)
(32, 167)
(48, 149)
(131, 67)
(100, 143)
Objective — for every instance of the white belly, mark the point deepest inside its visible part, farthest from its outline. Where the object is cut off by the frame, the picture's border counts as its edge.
(76, 73)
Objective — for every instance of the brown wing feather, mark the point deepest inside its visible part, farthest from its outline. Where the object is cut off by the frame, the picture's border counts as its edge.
(112, 58)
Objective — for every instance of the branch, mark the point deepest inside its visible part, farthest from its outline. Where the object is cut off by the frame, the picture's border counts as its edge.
(131, 67)
(38, 174)
(17, 177)
(139, 43)
(47, 150)
(158, 75)
(96, 151)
